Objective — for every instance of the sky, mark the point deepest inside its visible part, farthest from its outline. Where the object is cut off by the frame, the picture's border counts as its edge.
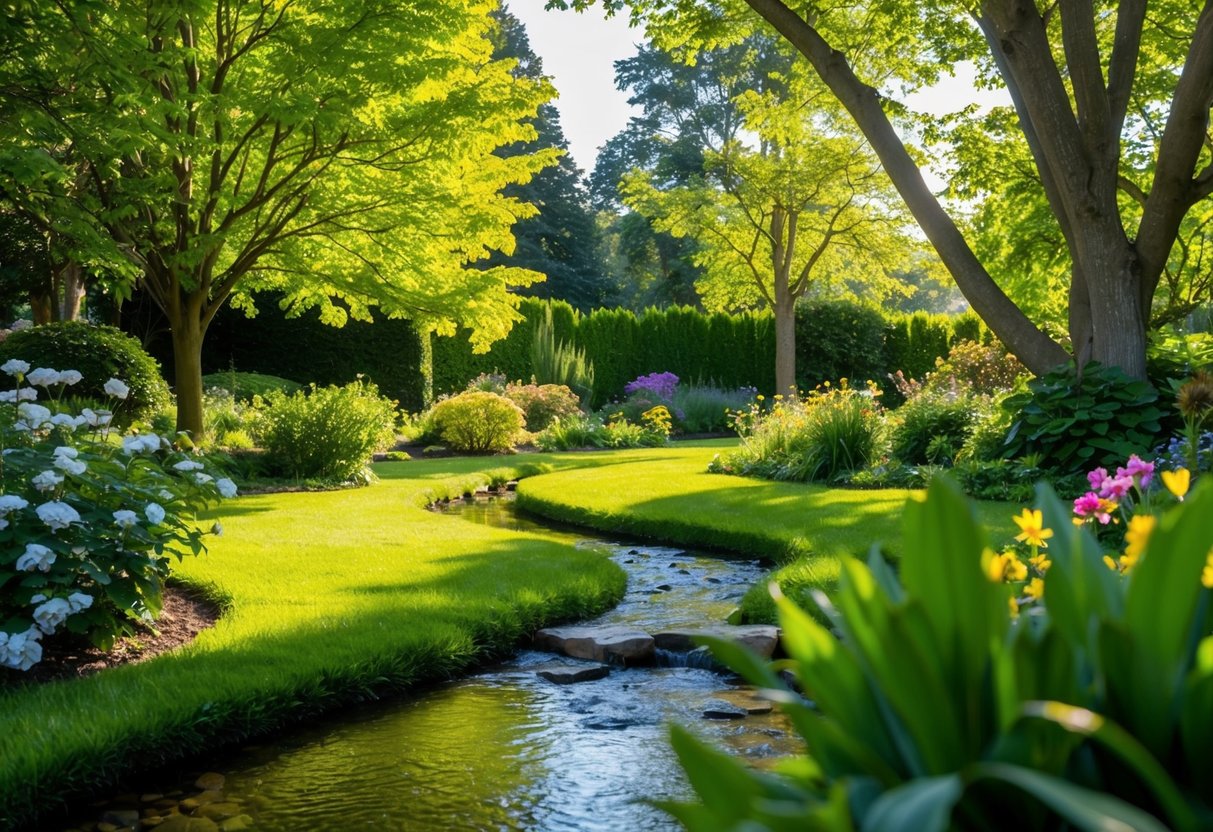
(579, 51)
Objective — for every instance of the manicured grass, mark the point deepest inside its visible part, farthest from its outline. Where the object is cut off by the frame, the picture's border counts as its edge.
(672, 498)
(329, 598)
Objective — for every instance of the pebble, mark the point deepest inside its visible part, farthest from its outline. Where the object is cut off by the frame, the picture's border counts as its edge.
(220, 811)
(664, 587)
(211, 781)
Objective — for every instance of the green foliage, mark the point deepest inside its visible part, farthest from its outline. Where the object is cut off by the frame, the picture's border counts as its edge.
(572, 433)
(1079, 423)
(560, 362)
(821, 438)
(932, 427)
(542, 404)
(99, 353)
(974, 368)
(914, 342)
(244, 386)
(1089, 710)
(302, 349)
(88, 523)
(987, 434)
(838, 339)
(478, 422)
(325, 433)
(701, 408)
(578, 432)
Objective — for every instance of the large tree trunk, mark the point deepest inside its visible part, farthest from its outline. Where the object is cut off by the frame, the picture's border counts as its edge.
(187, 333)
(785, 348)
(1117, 321)
(68, 292)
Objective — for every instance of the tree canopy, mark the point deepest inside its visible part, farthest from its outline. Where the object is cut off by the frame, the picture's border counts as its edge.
(341, 154)
(1086, 78)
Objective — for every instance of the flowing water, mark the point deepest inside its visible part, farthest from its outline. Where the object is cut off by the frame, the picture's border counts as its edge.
(504, 749)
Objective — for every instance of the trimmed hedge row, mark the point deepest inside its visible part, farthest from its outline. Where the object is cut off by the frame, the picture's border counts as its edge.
(388, 352)
(834, 339)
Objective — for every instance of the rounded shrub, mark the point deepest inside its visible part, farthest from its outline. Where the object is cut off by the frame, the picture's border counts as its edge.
(325, 433)
(543, 404)
(99, 353)
(931, 428)
(478, 422)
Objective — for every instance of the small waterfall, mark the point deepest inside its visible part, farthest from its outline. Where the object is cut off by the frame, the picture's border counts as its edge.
(700, 658)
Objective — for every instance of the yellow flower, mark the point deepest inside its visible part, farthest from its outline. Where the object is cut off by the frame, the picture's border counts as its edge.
(1035, 589)
(1177, 482)
(1041, 563)
(1206, 576)
(1003, 567)
(1031, 528)
(1111, 564)
(760, 398)
(1137, 535)
(1016, 571)
(1127, 562)
(1013, 604)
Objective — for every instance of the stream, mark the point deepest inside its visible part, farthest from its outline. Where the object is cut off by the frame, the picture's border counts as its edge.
(500, 750)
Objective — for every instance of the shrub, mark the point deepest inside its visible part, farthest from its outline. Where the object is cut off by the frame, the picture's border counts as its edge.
(932, 422)
(230, 422)
(1061, 694)
(478, 422)
(831, 432)
(541, 404)
(707, 409)
(88, 524)
(489, 383)
(975, 369)
(98, 353)
(987, 434)
(659, 385)
(244, 386)
(1076, 423)
(572, 433)
(325, 433)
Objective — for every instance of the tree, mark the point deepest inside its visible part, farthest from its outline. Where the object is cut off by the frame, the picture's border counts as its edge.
(561, 239)
(1078, 74)
(339, 154)
(801, 211)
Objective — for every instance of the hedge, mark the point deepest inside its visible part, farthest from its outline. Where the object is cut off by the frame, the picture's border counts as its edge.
(388, 352)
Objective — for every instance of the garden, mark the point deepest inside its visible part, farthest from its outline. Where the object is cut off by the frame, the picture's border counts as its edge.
(364, 464)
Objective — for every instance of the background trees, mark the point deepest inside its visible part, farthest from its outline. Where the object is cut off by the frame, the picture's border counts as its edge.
(342, 156)
(1086, 79)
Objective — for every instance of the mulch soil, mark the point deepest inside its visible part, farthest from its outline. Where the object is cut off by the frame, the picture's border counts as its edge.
(67, 656)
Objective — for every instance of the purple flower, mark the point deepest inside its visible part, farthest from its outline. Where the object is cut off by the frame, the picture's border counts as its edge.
(1138, 467)
(661, 384)
(1114, 488)
(1097, 478)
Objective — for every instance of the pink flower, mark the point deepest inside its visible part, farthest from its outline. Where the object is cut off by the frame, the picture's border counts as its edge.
(1138, 467)
(1116, 487)
(1097, 478)
(1087, 504)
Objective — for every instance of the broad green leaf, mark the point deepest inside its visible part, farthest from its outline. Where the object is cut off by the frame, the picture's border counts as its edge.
(923, 805)
(1085, 809)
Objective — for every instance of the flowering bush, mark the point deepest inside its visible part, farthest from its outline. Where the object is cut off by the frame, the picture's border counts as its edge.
(88, 523)
(616, 431)
(661, 385)
(542, 404)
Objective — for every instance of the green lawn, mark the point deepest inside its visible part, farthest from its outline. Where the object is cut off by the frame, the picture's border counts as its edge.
(803, 527)
(339, 596)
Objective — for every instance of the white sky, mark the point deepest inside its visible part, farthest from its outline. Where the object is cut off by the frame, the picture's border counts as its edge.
(579, 53)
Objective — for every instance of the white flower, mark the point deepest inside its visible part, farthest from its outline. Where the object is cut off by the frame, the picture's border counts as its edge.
(65, 420)
(20, 651)
(37, 557)
(3, 524)
(49, 615)
(217, 529)
(43, 377)
(125, 518)
(11, 502)
(37, 599)
(66, 450)
(79, 601)
(70, 377)
(188, 465)
(116, 388)
(27, 394)
(202, 479)
(227, 488)
(75, 467)
(34, 414)
(20, 324)
(15, 367)
(47, 481)
(167, 495)
(154, 513)
(57, 515)
(149, 442)
(8, 396)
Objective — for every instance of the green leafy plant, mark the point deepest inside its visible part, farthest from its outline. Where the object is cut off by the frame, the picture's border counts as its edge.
(937, 705)
(98, 353)
(325, 433)
(1076, 422)
(705, 408)
(243, 386)
(929, 418)
(558, 362)
(571, 433)
(478, 422)
(88, 520)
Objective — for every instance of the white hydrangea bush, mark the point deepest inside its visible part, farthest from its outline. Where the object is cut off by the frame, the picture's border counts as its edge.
(89, 521)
